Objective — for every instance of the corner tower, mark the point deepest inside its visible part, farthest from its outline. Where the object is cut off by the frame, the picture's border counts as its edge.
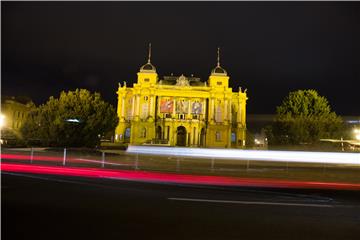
(147, 74)
(218, 76)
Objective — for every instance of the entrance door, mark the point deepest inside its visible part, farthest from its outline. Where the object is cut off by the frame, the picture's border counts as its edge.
(127, 135)
(181, 136)
(158, 133)
(202, 138)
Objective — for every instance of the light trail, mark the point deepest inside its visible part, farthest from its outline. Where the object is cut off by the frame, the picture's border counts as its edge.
(58, 159)
(252, 202)
(251, 155)
(144, 176)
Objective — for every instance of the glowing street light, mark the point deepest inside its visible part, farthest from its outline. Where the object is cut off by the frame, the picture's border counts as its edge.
(2, 121)
(357, 134)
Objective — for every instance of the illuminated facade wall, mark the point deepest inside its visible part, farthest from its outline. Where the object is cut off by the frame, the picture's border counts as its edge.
(13, 115)
(181, 111)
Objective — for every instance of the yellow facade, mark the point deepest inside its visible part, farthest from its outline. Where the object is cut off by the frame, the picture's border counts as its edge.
(13, 116)
(181, 111)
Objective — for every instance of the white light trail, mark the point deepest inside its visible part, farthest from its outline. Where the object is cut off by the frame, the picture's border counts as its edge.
(73, 120)
(251, 202)
(255, 155)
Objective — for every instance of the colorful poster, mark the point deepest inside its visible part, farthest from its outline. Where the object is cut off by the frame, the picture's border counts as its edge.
(196, 108)
(166, 105)
(182, 106)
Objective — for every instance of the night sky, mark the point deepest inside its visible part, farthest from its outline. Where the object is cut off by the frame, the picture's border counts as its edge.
(268, 48)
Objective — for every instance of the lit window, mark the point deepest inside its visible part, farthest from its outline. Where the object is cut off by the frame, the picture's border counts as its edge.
(218, 136)
(233, 137)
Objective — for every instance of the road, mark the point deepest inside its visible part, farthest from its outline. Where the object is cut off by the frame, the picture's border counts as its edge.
(59, 207)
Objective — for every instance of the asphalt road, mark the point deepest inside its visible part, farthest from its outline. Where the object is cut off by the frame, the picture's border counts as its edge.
(53, 207)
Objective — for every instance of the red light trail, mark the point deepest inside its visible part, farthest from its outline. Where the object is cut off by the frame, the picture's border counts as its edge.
(145, 176)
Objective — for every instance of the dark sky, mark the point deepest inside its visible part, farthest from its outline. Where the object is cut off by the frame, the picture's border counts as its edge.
(268, 48)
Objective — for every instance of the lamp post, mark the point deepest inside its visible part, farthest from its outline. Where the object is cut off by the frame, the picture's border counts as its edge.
(357, 134)
(2, 121)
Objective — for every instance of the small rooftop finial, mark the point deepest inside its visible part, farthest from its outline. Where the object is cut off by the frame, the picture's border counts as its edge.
(218, 57)
(149, 57)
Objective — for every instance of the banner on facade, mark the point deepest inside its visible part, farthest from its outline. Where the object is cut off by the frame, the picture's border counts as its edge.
(196, 108)
(166, 105)
(182, 106)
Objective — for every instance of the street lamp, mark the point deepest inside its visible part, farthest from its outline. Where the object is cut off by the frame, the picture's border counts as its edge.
(357, 134)
(2, 121)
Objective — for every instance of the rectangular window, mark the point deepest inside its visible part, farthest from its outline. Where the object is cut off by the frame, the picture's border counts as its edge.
(219, 83)
(146, 80)
(218, 136)
(233, 137)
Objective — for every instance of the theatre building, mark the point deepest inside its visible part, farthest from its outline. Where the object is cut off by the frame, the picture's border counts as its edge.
(181, 111)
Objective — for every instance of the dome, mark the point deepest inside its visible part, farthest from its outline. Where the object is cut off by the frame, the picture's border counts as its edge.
(148, 67)
(219, 71)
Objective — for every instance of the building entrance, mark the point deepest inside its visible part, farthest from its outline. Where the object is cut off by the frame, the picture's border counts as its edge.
(202, 138)
(181, 136)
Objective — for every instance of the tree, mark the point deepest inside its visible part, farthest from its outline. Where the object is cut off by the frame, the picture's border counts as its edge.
(304, 117)
(76, 119)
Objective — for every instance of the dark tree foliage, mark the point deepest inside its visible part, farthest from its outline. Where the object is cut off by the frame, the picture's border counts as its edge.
(76, 119)
(304, 117)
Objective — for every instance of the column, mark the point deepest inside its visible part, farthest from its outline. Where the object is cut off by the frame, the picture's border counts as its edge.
(196, 137)
(165, 131)
(243, 114)
(174, 108)
(211, 109)
(151, 110)
(158, 107)
(133, 107)
(203, 109)
(137, 112)
(226, 110)
(239, 112)
(230, 110)
(188, 115)
(119, 105)
(191, 132)
(173, 134)
(123, 107)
